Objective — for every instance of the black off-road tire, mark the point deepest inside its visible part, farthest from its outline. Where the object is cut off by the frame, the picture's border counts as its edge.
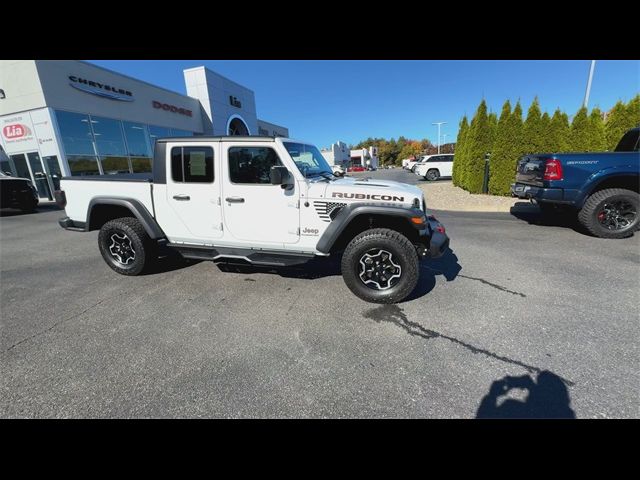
(432, 175)
(588, 215)
(145, 249)
(402, 251)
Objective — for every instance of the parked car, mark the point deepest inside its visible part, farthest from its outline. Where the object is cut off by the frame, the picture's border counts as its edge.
(17, 192)
(337, 170)
(602, 188)
(272, 201)
(356, 168)
(433, 167)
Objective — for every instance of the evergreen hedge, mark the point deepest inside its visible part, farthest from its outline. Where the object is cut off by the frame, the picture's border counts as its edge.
(508, 138)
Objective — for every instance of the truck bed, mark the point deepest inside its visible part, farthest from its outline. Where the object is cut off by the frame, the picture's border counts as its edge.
(80, 190)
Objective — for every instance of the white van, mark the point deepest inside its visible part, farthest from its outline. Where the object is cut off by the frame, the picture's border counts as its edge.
(433, 167)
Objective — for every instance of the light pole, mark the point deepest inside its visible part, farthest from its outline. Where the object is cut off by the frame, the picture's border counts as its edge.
(444, 138)
(438, 123)
(586, 94)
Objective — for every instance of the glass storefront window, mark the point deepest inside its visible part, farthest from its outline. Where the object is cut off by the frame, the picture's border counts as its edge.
(113, 164)
(83, 165)
(157, 132)
(75, 131)
(108, 136)
(141, 164)
(137, 139)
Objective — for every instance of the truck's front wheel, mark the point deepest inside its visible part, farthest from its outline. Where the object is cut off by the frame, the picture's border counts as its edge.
(380, 266)
(611, 213)
(126, 246)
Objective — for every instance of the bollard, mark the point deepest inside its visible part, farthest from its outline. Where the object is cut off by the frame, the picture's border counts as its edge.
(485, 182)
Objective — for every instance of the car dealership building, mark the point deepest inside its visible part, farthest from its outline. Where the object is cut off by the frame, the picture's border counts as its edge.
(61, 118)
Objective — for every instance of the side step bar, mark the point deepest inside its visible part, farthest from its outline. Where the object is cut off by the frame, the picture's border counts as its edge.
(255, 257)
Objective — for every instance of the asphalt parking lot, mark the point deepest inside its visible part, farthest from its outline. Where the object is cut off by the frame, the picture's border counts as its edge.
(544, 309)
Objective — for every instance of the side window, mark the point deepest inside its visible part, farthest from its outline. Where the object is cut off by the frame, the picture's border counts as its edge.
(192, 164)
(251, 164)
(448, 158)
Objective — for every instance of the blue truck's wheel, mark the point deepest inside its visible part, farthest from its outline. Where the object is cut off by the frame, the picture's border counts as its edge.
(611, 213)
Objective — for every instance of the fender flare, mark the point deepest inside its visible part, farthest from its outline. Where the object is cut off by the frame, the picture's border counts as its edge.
(353, 210)
(134, 206)
(622, 171)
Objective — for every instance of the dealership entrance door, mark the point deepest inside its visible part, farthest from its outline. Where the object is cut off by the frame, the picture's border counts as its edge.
(29, 165)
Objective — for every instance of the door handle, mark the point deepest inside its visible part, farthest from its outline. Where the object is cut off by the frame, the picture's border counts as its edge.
(234, 200)
(181, 197)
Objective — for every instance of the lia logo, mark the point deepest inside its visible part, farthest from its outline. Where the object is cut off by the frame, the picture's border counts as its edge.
(16, 130)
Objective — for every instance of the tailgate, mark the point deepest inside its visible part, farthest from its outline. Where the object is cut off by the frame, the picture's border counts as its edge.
(530, 170)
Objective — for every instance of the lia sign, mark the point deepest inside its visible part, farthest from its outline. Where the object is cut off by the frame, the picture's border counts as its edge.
(16, 131)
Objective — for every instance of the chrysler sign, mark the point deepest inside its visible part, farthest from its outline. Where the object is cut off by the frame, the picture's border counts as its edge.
(101, 89)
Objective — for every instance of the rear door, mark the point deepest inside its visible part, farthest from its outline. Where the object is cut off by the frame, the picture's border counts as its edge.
(192, 194)
(255, 211)
(446, 165)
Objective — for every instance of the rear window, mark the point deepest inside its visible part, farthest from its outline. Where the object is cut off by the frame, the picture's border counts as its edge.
(629, 142)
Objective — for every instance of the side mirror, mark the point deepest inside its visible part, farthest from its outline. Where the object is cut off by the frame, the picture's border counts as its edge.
(279, 175)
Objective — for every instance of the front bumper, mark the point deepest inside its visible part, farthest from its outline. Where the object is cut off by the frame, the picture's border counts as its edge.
(434, 240)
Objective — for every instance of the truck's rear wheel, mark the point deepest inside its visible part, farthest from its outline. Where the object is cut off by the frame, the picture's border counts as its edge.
(125, 246)
(611, 213)
(380, 266)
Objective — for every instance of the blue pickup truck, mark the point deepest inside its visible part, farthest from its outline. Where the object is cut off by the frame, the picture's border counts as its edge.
(603, 188)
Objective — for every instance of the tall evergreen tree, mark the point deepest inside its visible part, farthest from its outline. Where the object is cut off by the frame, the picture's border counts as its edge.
(559, 132)
(579, 135)
(596, 133)
(503, 146)
(534, 129)
(458, 156)
(616, 124)
(478, 145)
(545, 127)
(493, 126)
(633, 112)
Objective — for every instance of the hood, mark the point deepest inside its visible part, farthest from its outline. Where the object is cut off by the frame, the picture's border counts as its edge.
(366, 189)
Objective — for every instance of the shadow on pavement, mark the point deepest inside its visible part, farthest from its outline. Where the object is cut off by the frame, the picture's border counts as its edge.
(447, 266)
(548, 397)
(532, 214)
(13, 212)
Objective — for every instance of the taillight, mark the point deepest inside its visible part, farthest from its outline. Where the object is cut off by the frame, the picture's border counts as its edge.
(552, 169)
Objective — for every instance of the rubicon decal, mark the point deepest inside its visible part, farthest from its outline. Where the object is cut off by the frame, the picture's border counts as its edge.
(101, 89)
(15, 131)
(362, 196)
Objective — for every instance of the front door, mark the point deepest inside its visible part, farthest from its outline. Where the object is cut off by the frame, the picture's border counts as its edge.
(42, 182)
(193, 196)
(254, 210)
(35, 173)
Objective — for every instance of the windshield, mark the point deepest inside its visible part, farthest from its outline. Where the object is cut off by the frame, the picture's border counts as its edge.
(308, 159)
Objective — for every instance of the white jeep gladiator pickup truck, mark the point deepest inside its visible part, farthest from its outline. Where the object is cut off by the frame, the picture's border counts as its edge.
(263, 200)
